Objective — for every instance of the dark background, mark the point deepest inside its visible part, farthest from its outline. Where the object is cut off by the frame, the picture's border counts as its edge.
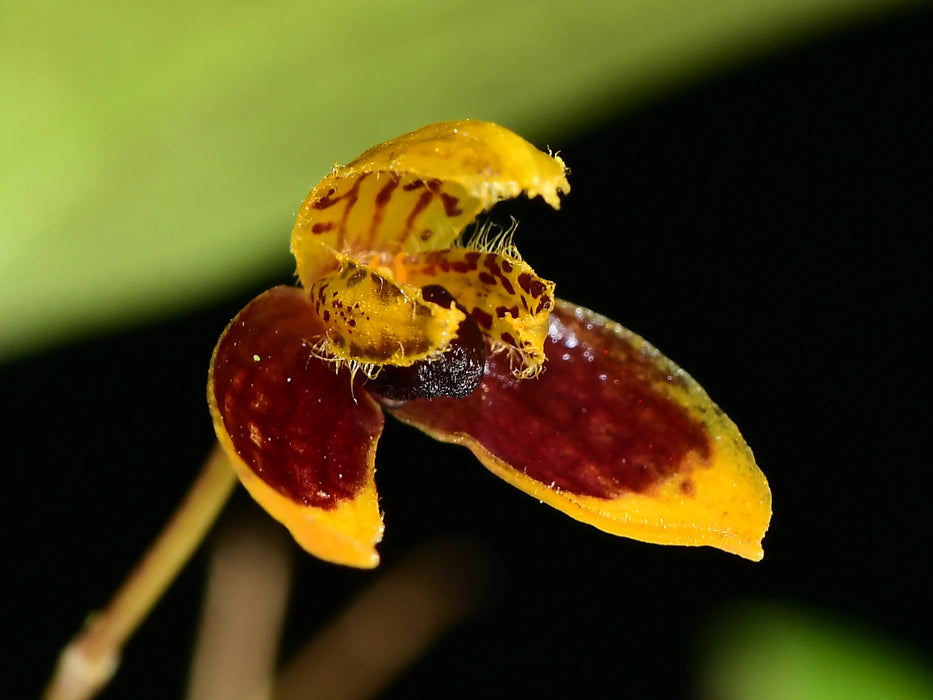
(768, 230)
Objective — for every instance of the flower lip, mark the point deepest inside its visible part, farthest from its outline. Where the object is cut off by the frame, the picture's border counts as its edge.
(455, 373)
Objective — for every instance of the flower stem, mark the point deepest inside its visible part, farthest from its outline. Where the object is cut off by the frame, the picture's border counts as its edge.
(391, 624)
(89, 661)
(249, 576)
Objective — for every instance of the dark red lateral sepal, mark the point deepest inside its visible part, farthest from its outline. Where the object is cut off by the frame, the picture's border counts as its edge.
(614, 434)
(301, 442)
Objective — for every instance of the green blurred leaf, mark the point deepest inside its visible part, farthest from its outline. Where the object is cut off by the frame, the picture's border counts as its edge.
(154, 154)
(775, 653)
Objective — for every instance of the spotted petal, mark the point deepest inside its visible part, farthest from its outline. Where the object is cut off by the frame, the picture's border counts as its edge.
(615, 435)
(501, 292)
(300, 442)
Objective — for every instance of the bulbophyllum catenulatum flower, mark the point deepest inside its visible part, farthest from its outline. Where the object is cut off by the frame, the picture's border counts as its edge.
(396, 312)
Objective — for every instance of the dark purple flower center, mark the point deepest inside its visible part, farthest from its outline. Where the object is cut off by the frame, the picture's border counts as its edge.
(455, 373)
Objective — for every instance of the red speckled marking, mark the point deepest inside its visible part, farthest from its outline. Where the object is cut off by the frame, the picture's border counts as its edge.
(381, 202)
(593, 423)
(385, 193)
(451, 204)
(423, 201)
(292, 420)
(482, 318)
(352, 196)
(327, 201)
(495, 272)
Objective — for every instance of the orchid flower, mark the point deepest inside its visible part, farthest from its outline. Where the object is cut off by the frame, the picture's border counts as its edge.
(400, 311)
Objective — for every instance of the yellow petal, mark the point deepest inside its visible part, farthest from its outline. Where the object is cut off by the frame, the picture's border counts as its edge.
(417, 192)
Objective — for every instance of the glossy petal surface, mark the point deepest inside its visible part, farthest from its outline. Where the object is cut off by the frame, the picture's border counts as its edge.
(300, 442)
(613, 434)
